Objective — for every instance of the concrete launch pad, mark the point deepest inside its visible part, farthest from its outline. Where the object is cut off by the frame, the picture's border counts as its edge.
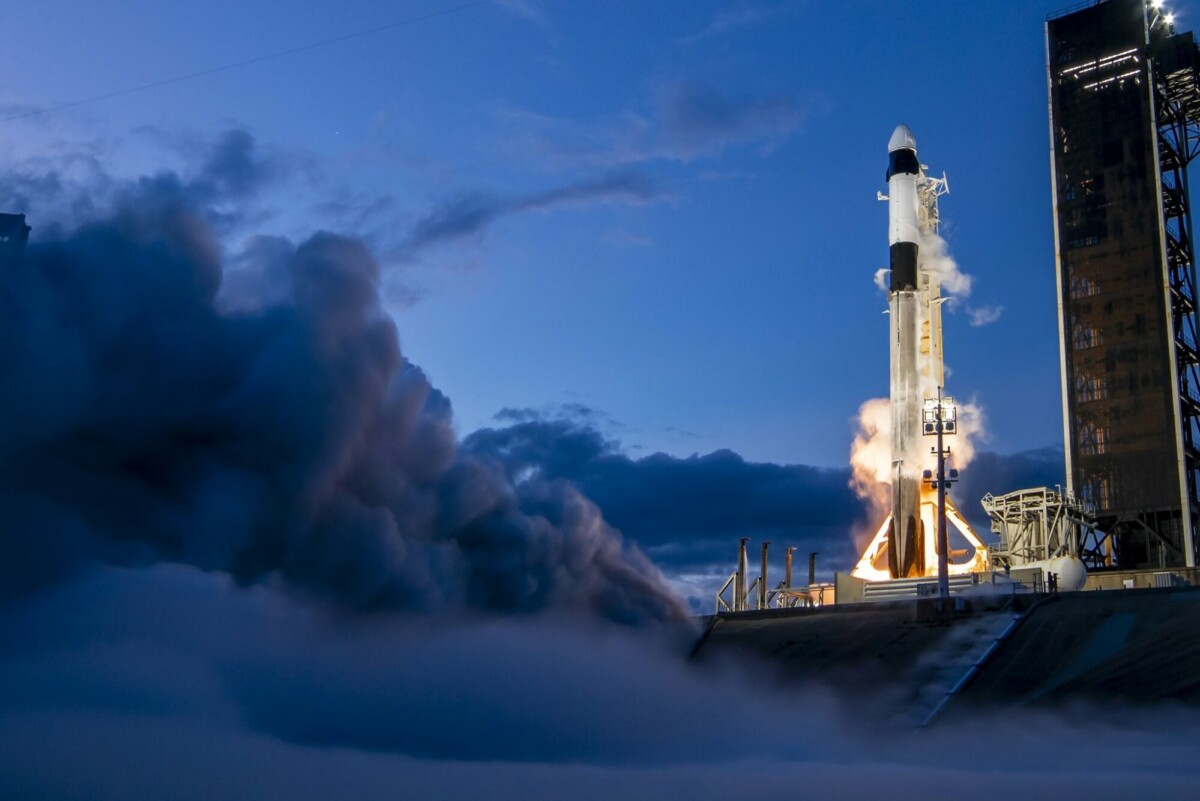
(908, 660)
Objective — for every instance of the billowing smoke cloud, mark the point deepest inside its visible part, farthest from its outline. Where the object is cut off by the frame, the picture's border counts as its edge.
(871, 456)
(971, 432)
(169, 683)
(288, 440)
(871, 470)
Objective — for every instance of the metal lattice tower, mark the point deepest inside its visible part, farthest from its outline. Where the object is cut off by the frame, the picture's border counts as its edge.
(1175, 88)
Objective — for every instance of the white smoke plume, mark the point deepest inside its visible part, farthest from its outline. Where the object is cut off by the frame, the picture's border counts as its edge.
(972, 432)
(935, 258)
(881, 278)
(871, 452)
(984, 315)
(871, 456)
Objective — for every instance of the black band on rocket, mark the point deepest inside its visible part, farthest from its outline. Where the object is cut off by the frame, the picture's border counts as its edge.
(903, 162)
(904, 266)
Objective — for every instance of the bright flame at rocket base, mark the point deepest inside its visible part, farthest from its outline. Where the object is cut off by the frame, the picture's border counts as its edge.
(874, 563)
(905, 544)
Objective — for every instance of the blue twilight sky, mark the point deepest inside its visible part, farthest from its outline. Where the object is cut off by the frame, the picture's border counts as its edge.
(664, 212)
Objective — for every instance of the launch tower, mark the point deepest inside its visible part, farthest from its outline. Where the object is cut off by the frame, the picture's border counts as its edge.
(1124, 117)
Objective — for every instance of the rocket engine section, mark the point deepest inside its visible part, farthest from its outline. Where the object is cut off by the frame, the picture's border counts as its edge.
(906, 534)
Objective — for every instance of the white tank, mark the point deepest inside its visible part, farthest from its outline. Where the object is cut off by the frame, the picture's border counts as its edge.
(1072, 574)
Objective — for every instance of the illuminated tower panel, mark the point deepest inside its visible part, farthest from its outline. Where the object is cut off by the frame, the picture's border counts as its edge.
(1126, 321)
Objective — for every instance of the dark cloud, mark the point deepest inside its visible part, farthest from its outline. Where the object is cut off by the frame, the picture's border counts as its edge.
(698, 120)
(234, 167)
(688, 121)
(468, 214)
(282, 437)
(220, 177)
(687, 512)
(578, 412)
(58, 188)
(14, 111)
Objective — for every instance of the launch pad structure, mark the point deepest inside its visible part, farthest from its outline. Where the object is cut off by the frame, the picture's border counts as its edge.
(1041, 524)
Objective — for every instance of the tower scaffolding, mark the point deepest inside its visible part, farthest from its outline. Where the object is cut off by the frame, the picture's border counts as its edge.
(1175, 89)
(1041, 523)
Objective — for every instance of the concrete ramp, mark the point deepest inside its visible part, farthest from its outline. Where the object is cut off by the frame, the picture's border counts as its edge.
(901, 653)
(1135, 647)
(1131, 647)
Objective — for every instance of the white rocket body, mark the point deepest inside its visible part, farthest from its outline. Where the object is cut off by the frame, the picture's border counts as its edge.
(906, 549)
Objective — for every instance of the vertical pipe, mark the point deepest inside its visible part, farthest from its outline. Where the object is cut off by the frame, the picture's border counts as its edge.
(1064, 356)
(739, 584)
(787, 568)
(812, 568)
(762, 581)
(943, 550)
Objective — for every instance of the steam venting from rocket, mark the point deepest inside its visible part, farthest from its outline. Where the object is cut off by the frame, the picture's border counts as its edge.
(151, 415)
(936, 259)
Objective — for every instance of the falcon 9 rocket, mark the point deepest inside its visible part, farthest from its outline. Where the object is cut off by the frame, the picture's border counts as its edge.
(906, 544)
(906, 549)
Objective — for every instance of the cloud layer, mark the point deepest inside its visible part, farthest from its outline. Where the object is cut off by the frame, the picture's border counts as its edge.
(687, 512)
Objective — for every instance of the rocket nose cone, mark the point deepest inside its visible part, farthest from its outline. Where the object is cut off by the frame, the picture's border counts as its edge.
(902, 139)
